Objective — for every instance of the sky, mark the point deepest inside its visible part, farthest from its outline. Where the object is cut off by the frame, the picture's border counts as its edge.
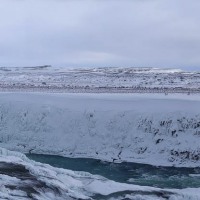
(98, 33)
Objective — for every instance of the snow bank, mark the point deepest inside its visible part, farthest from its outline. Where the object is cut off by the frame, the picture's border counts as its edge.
(155, 129)
(49, 183)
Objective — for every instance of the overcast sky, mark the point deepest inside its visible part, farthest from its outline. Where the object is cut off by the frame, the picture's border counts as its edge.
(146, 33)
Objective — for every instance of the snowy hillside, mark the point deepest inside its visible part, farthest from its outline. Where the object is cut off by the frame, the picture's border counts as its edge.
(98, 80)
(155, 129)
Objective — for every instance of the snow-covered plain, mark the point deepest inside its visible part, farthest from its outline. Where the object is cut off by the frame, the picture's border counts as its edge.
(144, 128)
(22, 179)
(99, 80)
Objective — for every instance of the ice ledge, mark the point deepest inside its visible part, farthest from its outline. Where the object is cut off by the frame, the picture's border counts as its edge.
(151, 129)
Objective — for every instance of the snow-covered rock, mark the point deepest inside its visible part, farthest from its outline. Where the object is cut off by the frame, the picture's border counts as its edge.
(154, 129)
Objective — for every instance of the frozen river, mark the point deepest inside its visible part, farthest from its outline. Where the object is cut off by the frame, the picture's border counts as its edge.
(24, 179)
(139, 174)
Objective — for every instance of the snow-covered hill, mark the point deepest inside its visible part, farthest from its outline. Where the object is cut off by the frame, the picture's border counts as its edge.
(155, 129)
(98, 80)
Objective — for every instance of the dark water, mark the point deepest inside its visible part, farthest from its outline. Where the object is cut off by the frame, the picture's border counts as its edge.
(140, 174)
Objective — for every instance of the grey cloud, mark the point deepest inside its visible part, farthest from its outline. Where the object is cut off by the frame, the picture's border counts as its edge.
(100, 33)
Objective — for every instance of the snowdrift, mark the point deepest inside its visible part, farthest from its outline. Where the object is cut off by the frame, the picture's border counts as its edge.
(153, 129)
